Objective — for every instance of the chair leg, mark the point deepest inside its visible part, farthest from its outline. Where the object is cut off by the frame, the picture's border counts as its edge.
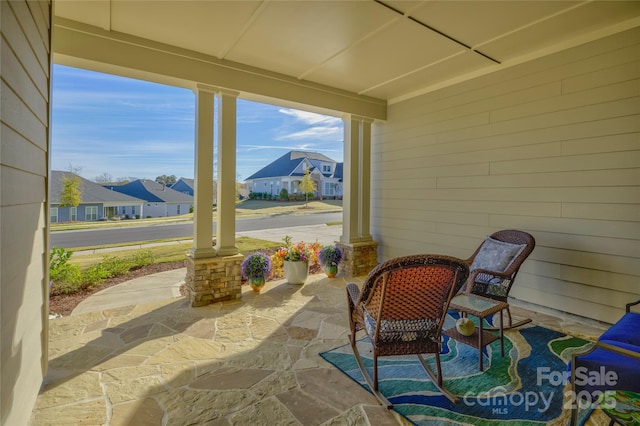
(375, 372)
(437, 381)
(373, 383)
(510, 322)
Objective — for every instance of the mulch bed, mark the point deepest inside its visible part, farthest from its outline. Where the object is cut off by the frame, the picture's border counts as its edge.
(63, 304)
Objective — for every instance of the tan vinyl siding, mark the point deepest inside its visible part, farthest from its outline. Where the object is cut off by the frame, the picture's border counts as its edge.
(551, 147)
(24, 121)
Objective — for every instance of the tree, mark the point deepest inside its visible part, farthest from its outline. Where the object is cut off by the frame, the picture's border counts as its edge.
(104, 178)
(70, 196)
(307, 185)
(166, 179)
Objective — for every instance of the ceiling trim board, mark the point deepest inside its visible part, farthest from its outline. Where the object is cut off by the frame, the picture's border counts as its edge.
(121, 51)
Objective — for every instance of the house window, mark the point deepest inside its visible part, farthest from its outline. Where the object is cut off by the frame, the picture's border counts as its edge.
(133, 210)
(326, 168)
(73, 214)
(91, 213)
(124, 211)
(328, 188)
(53, 215)
(178, 209)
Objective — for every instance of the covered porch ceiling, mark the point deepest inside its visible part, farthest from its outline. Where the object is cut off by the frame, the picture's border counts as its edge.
(349, 56)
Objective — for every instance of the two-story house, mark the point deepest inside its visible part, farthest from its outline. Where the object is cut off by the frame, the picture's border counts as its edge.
(287, 171)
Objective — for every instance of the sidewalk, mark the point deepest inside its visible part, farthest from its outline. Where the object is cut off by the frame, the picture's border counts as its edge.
(166, 285)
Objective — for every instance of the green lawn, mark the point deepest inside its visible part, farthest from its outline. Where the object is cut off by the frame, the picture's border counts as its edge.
(167, 253)
(244, 209)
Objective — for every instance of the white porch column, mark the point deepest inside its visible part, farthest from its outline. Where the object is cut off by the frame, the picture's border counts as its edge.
(226, 231)
(357, 180)
(365, 180)
(350, 177)
(360, 251)
(203, 191)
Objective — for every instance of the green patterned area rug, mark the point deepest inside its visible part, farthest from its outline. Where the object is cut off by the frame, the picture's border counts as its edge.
(525, 387)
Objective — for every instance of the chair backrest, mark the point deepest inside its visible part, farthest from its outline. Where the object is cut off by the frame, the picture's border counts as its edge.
(508, 274)
(413, 287)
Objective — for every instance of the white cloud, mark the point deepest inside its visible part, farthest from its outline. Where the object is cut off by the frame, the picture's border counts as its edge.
(323, 133)
(310, 117)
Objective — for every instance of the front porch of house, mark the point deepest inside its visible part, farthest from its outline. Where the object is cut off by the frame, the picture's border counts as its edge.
(252, 361)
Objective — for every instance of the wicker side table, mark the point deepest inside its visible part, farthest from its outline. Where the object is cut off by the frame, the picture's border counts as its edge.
(482, 308)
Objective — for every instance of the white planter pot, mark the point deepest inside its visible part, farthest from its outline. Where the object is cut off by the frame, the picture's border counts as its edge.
(296, 272)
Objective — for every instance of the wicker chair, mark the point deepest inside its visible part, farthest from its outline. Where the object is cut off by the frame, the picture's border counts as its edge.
(402, 307)
(493, 277)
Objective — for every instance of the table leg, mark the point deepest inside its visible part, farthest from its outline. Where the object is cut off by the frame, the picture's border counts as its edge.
(480, 333)
(502, 332)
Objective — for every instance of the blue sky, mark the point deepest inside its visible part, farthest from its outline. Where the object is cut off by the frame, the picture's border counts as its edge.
(127, 128)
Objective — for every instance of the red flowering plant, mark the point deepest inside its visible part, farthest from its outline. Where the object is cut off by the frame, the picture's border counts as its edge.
(300, 252)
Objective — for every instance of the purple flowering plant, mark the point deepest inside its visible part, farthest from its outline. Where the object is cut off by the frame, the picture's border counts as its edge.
(330, 255)
(256, 265)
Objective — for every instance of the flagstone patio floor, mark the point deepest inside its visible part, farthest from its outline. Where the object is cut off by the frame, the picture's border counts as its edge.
(250, 362)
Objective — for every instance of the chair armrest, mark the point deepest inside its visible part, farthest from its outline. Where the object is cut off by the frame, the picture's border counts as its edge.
(618, 350)
(353, 291)
(629, 305)
(472, 277)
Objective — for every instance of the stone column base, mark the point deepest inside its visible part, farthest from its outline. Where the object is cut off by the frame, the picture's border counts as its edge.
(358, 258)
(213, 279)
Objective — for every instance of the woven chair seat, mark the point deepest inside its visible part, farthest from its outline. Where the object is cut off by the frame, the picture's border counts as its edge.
(402, 306)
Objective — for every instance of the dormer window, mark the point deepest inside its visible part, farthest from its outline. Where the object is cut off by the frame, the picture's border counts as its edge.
(326, 168)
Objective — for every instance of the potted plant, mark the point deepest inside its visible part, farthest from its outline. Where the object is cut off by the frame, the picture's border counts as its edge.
(295, 259)
(256, 268)
(330, 257)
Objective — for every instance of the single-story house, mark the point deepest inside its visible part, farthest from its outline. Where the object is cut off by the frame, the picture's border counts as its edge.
(184, 185)
(287, 171)
(460, 119)
(159, 199)
(97, 202)
(187, 186)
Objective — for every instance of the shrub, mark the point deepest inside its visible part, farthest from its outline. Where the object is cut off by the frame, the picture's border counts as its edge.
(67, 278)
(284, 194)
(63, 276)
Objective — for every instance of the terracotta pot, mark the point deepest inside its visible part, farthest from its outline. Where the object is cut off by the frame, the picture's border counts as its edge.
(331, 270)
(256, 284)
(296, 272)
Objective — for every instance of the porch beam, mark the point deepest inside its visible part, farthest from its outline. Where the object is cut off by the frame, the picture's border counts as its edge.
(89, 47)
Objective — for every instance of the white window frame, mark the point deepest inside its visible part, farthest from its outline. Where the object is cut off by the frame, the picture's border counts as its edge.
(73, 214)
(91, 213)
(326, 168)
(53, 215)
(329, 188)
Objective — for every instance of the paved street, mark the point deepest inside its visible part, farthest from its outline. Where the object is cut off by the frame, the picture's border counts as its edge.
(117, 235)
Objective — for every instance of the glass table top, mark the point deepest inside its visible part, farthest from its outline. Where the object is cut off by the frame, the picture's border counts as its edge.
(473, 303)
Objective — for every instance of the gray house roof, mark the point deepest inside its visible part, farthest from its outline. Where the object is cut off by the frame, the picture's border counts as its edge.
(152, 192)
(285, 165)
(184, 185)
(90, 192)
